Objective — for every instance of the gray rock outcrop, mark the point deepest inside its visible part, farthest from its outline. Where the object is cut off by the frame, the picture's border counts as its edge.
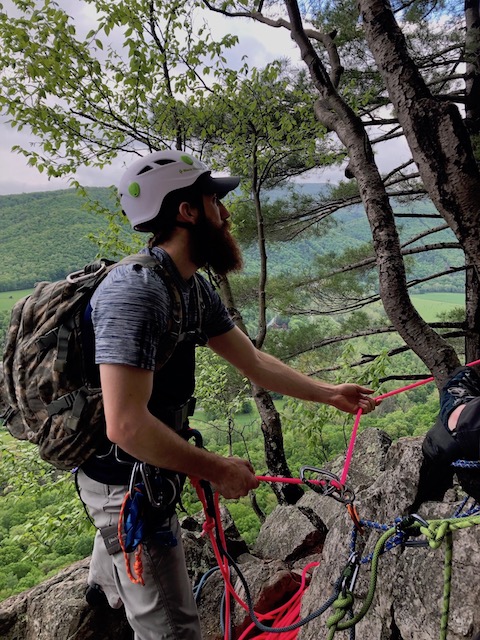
(407, 604)
(57, 610)
(408, 599)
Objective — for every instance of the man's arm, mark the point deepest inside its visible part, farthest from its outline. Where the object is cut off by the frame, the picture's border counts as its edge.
(270, 373)
(126, 392)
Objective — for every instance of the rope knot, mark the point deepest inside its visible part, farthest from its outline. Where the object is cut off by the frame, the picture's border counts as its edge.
(435, 533)
(208, 526)
(342, 604)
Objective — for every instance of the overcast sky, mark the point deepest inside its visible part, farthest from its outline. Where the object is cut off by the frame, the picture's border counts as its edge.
(261, 43)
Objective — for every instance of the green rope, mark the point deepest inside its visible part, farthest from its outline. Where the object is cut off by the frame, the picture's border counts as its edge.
(342, 604)
(334, 621)
(436, 532)
(447, 584)
(437, 529)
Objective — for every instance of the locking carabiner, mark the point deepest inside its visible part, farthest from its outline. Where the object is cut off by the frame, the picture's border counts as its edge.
(405, 528)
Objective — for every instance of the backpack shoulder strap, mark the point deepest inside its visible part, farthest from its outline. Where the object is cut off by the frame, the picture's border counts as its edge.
(200, 337)
(173, 334)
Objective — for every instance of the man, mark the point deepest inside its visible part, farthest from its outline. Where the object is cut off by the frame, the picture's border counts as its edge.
(454, 436)
(174, 197)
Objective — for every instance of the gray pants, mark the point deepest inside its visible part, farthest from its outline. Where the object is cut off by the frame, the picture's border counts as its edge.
(162, 609)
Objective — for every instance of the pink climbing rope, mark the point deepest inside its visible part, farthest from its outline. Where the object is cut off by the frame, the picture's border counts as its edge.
(353, 437)
(351, 446)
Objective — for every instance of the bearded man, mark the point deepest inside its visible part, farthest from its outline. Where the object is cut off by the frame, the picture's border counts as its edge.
(174, 197)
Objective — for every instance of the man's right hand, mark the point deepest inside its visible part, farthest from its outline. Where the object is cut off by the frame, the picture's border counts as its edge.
(237, 480)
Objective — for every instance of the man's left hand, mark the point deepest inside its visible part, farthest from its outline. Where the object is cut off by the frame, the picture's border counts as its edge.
(352, 397)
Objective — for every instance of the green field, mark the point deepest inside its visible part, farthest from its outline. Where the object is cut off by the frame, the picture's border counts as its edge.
(8, 298)
(430, 305)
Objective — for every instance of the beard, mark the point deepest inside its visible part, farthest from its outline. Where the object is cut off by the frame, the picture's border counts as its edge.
(215, 247)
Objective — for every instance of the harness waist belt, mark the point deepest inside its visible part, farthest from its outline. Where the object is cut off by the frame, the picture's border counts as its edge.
(176, 418)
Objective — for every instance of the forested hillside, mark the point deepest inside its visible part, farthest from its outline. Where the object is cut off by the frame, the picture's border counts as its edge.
(45, 235)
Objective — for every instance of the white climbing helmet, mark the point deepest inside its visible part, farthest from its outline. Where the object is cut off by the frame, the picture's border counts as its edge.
(147, 181)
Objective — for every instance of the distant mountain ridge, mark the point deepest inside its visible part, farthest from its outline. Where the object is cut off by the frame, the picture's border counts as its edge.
(45, 235)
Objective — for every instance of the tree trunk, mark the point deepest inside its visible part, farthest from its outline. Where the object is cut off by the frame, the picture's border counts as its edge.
(274, 451)
(332, 111)
(437, 137)
(472, 316)
(472, 70)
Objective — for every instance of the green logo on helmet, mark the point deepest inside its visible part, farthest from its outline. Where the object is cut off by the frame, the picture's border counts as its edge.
(186, 159)
(134, 189)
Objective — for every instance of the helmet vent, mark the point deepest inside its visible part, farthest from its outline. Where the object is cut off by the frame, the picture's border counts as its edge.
(144, 170)
(164, 161)
(150, 168)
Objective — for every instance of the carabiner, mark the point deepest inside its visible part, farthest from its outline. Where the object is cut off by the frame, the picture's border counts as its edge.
(133, 477)
(350, 573)
(330, 487)
(403, 528)
(82, 274)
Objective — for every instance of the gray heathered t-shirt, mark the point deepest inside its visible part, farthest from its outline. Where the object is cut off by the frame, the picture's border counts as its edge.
(131, 307)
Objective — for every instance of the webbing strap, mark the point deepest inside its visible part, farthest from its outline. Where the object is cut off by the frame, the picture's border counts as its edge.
(63, 336)
(76, 401)
(48, 340)
(8, 414)
(178, 417)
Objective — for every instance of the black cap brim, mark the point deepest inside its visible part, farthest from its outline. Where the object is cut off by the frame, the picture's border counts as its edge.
(219, 186)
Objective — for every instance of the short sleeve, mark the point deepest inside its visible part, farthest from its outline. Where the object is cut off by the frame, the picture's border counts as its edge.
(130, 312)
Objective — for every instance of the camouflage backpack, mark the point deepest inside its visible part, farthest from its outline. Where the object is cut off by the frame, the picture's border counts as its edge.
(51, 386)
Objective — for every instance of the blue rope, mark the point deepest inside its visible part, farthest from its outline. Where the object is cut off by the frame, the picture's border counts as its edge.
(466, 464)
(475, 508)
(400, 537)
(198, 588)
(396, 541)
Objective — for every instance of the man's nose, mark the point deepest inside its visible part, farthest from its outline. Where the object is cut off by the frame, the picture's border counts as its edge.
(224, 212)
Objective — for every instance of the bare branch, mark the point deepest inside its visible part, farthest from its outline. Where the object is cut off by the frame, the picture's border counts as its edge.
(372, 331)
(392, 352)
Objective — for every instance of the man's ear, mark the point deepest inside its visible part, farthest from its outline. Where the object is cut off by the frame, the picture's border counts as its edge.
(187, 214)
